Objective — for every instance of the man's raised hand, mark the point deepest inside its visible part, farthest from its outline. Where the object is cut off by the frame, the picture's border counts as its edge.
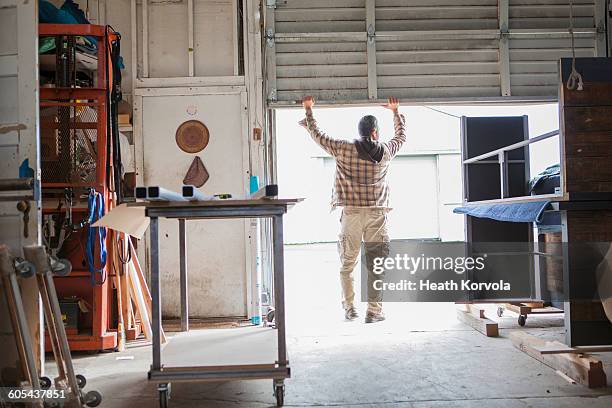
(308, 102)
(392, 104)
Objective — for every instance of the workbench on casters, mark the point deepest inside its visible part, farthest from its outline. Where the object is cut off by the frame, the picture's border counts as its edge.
(209, 358)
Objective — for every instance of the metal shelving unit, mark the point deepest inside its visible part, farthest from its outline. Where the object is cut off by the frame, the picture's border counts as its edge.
(74, 159)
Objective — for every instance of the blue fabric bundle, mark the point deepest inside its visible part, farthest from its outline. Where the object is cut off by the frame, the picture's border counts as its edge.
(551, 172)
(48, 13)
(69, 13)
(510, 212)
(96, 235)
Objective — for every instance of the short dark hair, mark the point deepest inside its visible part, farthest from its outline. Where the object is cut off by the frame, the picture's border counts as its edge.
(366, 125)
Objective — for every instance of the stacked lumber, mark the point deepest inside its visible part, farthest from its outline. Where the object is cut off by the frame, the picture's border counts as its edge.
(568, 362)
(133, 295)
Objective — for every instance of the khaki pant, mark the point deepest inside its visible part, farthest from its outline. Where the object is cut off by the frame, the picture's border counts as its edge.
(370, 226)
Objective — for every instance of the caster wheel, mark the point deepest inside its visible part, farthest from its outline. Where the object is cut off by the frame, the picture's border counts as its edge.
(521, 320)
(24, 268)
(45, 383)
(500, 311)
(81, 381)
(93, 398)
(61, 267)
(279, 393)
(164, 395)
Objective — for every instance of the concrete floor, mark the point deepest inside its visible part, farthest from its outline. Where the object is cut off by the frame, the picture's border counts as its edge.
(420, 357)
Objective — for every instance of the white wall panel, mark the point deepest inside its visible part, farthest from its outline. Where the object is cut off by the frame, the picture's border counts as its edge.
(176, 67)
(214, 37)
(216, 248)
(167, 38)
(19, 142)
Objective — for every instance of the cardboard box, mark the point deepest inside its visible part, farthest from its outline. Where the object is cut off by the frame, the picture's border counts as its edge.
(124, 113)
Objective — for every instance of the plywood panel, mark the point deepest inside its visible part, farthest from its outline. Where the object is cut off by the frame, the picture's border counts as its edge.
(214, 37)
(168, 38)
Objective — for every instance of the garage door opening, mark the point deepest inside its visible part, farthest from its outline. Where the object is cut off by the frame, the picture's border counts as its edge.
(425, 183)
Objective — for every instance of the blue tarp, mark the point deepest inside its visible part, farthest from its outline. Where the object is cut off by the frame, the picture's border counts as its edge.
(550, 222)
(550, 172)
(509, 212)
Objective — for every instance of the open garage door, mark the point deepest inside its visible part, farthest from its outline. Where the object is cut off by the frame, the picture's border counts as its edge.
(357, 51)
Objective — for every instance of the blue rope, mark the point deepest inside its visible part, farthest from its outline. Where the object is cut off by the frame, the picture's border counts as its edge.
(95, 204)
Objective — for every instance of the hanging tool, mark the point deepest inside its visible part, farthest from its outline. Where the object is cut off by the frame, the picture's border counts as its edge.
(57, 228)
(96, 234)
(113, 70)
(24, 207)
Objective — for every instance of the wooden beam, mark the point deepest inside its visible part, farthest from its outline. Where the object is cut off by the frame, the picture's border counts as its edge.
(485, 326)
(474, 310)
(136, 278)
(138, 299)
(145, 39)
(563, 349)
(190, 39)
(582, 368)
(519, 308)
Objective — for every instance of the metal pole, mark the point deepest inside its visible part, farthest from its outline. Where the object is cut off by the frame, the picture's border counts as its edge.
(18, 316)
(156, 193)
(279, 287)
(37, 255)
(503, 175)
(155, 294)
(183, 269)
(17, 197)
(61, 331)
(192, 194)
(53, 334)
(26, 183)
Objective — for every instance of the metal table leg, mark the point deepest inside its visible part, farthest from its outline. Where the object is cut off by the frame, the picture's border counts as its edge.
(155, 294)
(279, 287)
(183, 271)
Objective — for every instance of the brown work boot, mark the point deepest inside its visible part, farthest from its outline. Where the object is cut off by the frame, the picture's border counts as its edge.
(351, 313)
(373, 317)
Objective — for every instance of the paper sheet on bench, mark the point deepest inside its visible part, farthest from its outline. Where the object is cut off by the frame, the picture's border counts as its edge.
(129, 220)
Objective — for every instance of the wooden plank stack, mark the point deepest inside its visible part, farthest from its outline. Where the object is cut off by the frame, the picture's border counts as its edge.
(133, 295)
(581, 368)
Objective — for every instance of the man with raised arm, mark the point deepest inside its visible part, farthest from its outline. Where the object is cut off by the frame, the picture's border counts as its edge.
(361, 188)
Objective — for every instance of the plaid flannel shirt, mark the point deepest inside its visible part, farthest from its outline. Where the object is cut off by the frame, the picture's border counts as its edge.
(358, 182)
